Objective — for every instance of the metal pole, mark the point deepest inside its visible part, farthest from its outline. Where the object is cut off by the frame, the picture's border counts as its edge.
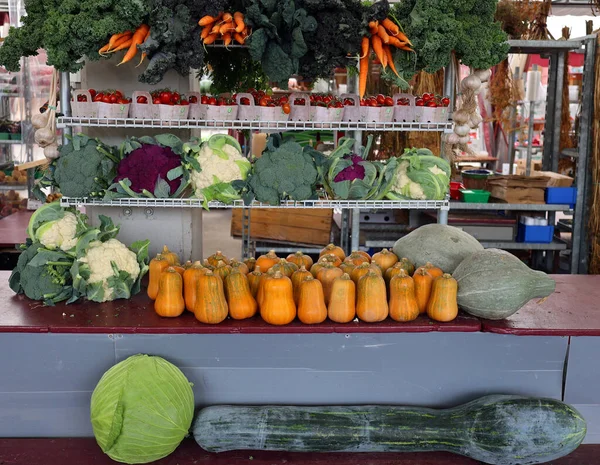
(551, 101)
(555, 142)
(449, 82)
(355, 238)
(530, 138)
(65, 99)
(580, 252)
(512, 136)
(443, 215)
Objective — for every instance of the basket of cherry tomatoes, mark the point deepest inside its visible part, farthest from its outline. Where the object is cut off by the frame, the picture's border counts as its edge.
(88, 103)
(431, 108)
(326, 108)
(256, 105)
(379, 109)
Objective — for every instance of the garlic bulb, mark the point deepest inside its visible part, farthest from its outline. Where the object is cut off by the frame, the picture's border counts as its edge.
(452, 139)
(462, 130)
(51, 151)
(40, 120)
(44, 137)
(471, 82)
(460, 117)
(464, 140)
(475, 120)
(483, 74)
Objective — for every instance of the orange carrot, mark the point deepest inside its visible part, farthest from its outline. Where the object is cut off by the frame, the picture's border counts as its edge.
(115, 37)
(365, 47)
(396, 42)
(373, 27)
(238, 18)
(227, 38)
(210, 39)
(378, 49)
(147, 35)
(362, 77)
(206, 20)
(137, 39)
(390, 59)
(141, 60)
(402, 37)
(385, 38)
(226, 27)
(239, 38)
(122, 45)
(391, 26)
(103, 49)
(205, 31)
(215, 29)
(227, 17)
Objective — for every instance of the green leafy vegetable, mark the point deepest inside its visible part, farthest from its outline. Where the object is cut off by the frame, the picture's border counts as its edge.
(141, 409)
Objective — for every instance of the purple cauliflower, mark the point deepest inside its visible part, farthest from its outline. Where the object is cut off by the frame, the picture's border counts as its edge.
(355, 171)
(145, 165)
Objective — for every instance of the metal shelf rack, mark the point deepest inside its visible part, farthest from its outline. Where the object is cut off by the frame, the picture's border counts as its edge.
(66, 122)
(554, 245)
(533, 207)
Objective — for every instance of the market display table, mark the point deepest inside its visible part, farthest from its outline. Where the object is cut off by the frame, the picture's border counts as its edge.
(13, 229)
(52, 357)
(86, 451)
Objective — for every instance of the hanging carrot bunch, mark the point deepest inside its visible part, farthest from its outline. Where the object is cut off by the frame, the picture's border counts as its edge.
(127, 40)
(383, 36)
(225, 27)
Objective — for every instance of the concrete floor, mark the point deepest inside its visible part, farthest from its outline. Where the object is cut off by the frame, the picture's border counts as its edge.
(216, 234)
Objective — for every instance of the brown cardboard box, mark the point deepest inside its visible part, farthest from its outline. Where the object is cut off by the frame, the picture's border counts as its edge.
(555, 179)
(300, 226)
(518, 189)
(521, 164)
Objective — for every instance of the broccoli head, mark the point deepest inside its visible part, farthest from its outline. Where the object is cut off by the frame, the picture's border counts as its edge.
(284, 171)
(85, 168)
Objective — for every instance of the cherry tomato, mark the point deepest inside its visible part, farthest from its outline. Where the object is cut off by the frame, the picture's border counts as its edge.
(204, 100)
(445, 101)
(106, 99)
(165, 97)
(142, 99)
(156, 101)
(123, 101)
(431, 104)
(283, 100)
(118, 94)
(381, 99)
(287, 109)
(327, 99)
(212, 101)
(92, 93)
(420, 102)
(426, 97)
(175, 96)
(263, 102)
(114, 98)
(339, 104)
(373, 102)
(363, 102)
(348, 101)
(184, 102)
(82, 98)
(193, 99)
(299, 101)
(221, 101)
(245, 101)
(388, 102)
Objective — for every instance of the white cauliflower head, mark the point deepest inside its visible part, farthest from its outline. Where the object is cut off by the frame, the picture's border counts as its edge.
(60, 233)
(100, 257)
(405, 185)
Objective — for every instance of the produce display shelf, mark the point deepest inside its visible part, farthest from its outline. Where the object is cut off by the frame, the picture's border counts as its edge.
(64, 122)
(506, 245)
(11, 142)
(535, 207)
(13, 187)
(197, 203)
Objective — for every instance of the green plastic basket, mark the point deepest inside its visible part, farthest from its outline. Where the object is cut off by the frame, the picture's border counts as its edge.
(475, 196)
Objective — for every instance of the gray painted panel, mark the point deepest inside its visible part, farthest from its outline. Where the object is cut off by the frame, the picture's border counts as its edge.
(53, 362)
(434, 369)
(45, 414)
(591, 413)
(583, 373)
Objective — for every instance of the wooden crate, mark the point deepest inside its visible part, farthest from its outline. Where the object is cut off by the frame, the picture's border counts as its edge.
(301, 226)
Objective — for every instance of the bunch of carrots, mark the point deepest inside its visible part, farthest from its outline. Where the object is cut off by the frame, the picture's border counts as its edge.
(384, 35)
(127, 40)
(225, 26)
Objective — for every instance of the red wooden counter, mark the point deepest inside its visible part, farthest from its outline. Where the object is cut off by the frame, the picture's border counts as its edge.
(13, 229)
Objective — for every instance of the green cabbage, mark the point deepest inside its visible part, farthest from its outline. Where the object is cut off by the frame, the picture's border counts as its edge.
(141, 409)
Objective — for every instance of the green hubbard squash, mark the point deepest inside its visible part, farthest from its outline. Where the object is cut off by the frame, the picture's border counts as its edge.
(498, 430)
(494, 284)
(444, 246)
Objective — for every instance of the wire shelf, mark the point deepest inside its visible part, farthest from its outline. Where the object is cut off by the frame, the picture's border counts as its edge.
(64, 122)
(197, 203)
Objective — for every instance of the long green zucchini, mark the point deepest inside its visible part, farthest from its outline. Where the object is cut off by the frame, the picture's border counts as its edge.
(498, 430)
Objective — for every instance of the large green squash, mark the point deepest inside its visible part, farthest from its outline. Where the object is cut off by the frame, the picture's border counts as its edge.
(494, 284)
(444, 246)
(498, 430)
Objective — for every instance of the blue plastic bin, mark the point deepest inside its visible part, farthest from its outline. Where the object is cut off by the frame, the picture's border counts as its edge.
(561, 196)
(535, 234)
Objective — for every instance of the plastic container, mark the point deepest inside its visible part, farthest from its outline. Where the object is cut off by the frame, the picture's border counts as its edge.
(455, 190)
(476, 179)
(535, 234)
(300, 112)
(87, 109)
(143, 110)
(351, 112)
(197, 110)
(247, 112)
(561, 196)
(404, 113)
(475, 196)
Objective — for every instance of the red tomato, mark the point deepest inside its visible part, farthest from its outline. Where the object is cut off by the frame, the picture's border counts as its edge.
(106, 99)
(264, 101)
(420, 102)
(348, 101)
(165, 97)
(212, 101)
(426, 97)
(92, 93)
(123, 101)
(271, 105)
(245, 101)
(363, 102)
(98, 97)
(339, 104)
(431, 104)
(221, 101)
(184, 102)
(283, 100)
(82, 98)
(300, 101)
(327, 99)
(404, 102)
(388, 102)
(175, 96)
(156, 101)
(142, 99)
(445, 101)
(204, 100)
(113, 98)
(287, 109)
(193, 99)
(118, 94)
(380, 99)
(373, 102)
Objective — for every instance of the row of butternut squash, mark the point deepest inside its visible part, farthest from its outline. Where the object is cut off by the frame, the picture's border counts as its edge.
(336, 287)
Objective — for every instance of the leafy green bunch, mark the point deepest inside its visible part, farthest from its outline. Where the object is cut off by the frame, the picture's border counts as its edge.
(278, 41)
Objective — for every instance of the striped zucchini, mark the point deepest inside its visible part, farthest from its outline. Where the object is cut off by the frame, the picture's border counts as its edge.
(498, 430)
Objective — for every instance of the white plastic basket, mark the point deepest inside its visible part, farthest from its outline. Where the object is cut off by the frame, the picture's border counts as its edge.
(112, 110)
(377, 114)
(351, 112)
(87, 109)
(272, 114)
(326, 115)
(300, 112)
(143, 110)
(247, 112)
(197, 110)
(404, 113)
(222, 113)
(173, 112)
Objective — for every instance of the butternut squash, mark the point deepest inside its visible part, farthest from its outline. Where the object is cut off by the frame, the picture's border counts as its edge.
(384, 259)
(357, 258)
(347, 267)
(250, 263)
(403, 302)
(335, 250)
(254, 279)
(169, 256)
(286, 268)
(169, 301)
(278, 307)
(311, 303)
(297, 278)
(299, 259)
(326, 276)
(261, 286)
(434, 271)
(157, 265)
(217, 257)
(423, 281)
(408, 266)
(241, 266)
(442, 305)
(267, 261)
(362, 270)
(331, 258)
(342, 303)
(371, 299)
(239, 297)
(222, 270)
(211, 304)
(190, 284)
